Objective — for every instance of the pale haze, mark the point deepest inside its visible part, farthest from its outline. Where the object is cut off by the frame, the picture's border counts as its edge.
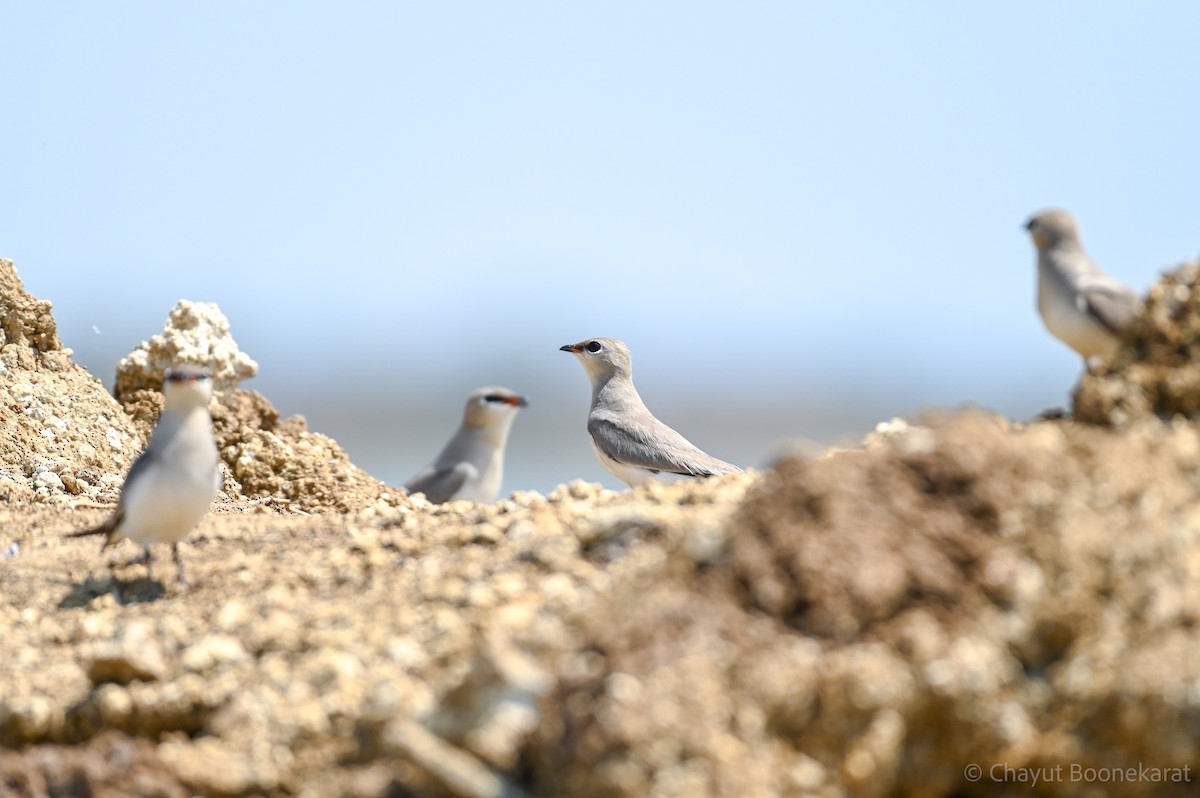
(802, 218)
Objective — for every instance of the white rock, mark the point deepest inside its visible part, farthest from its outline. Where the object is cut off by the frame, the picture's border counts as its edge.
(195, 332)
(46, 480)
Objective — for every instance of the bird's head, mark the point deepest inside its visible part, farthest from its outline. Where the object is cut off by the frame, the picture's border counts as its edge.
(492, 406)
(602, 358)
(1053, 228)
(186, 386)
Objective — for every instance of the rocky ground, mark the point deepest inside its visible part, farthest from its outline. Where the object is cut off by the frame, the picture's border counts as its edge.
(964, 606)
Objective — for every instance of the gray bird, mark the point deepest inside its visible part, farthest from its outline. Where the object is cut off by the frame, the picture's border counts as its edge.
(630, 442)
(1081, 305)
(172, 483)
(471, 466)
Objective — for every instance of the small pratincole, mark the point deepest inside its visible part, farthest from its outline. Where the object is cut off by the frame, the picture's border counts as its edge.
(629, 441)
(1081, 305)
(471, 466)
(172, 483)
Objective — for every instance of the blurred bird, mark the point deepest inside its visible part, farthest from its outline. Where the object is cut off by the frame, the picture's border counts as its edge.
(172, 483)
(1081, 305)
(630, 442)
(471, 466)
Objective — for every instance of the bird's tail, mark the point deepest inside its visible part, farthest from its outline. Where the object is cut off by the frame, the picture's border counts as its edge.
(108, 527)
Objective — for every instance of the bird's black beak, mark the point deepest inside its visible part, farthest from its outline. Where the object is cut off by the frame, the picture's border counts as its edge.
(572, 348)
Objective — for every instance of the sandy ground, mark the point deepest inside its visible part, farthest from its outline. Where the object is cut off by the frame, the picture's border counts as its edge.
(301, 634)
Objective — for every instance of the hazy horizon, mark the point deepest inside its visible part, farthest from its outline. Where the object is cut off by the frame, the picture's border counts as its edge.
(803, 219)
(397, 427)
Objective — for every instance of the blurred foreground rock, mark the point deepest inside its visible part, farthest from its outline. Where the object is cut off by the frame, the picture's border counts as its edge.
(1156, 372)
(869, 623)
(1026, 596)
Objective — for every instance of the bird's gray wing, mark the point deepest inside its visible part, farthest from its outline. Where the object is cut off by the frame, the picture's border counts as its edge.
(1114, 306)
(144, 461)
(658, 448)
(440, 484)
(112, 525)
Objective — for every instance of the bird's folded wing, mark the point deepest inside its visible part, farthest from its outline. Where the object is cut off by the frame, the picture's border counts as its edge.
(1114, 306)
(660, 449)
(144, 461)
(440, 484)
(112, 525)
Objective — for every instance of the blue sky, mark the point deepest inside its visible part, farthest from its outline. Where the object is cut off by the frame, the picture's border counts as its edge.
(802, 217)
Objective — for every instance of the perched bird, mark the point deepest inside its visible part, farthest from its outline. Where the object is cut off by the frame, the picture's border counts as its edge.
(172, 483)
(471, 466)
(630, 442)
(1081, 306)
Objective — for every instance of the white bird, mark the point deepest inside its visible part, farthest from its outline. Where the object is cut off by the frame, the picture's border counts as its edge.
(1080, 305)
(629, 441)
(471, 466)
(172, 483)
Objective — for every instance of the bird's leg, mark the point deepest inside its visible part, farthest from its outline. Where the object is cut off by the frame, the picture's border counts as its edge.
(114, 586)
(148, 561)
(183, 580)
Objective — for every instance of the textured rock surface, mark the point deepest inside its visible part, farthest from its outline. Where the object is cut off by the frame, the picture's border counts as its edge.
(108, 766)
(309, 644)
(282, 464)
(963, 591)
(996, 594)
(1156, 373)
(196, 333)
(61, 434)
(273, 462)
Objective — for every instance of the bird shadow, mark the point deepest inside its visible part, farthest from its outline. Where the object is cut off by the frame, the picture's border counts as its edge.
(140, 590)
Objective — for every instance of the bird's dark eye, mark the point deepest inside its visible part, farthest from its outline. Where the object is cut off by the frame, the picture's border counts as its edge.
(594, 347)
(187, 376)
(495, 397)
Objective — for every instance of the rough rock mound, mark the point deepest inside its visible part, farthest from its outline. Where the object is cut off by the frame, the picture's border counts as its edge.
(64, 436)
(976, 592)
(61, 434)
(196, 333)
(1156, 373)
(275, 462)
(282, 464)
